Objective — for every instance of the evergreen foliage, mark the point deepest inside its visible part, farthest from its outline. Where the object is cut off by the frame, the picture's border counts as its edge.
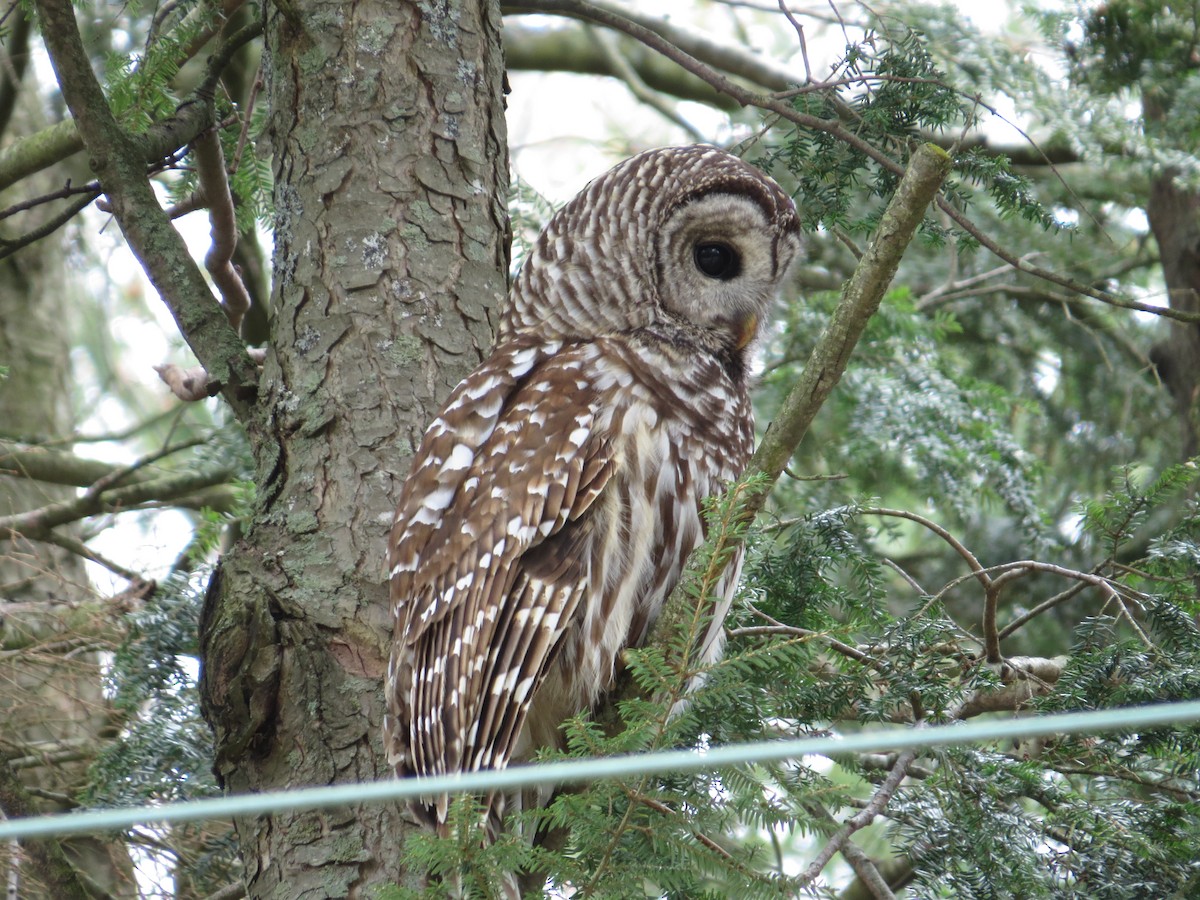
(163, 751)
(999, 467)
(145, 88)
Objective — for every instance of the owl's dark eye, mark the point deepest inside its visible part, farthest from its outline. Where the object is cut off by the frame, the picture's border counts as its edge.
(717, 260)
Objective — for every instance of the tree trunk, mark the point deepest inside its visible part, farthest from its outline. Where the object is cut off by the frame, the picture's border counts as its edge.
(1174, 214)
(391, 168)
(51, 699)
(52, 705)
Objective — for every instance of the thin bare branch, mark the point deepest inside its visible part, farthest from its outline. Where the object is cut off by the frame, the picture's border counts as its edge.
(79, 548)
(118, 160)
(937, 529)
(1044, 606)
(1021, 265)
(67, 190)
(660, 807)
(36, 523)
(247, 115)
(883, 795)
(214, 184)
(783, 7)
(193, 383)
(776, 628)
(8, 248)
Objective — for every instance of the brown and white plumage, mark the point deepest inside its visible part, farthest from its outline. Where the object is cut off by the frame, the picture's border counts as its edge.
(554, 501)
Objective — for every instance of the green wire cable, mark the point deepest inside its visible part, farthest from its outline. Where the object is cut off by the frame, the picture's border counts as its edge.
(1127, 719)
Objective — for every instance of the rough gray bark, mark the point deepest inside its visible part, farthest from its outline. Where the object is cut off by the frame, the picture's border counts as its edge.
(391, 167)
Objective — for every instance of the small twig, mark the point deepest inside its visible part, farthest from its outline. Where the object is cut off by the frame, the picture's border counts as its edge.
(976, 568)
(67, 190)
(1078, 287)
(214, 185)
(660, 807)
(247, 115)
(40, 441)
(951, 286)
(776, 628)
(783, 8)
(12, 7)
(883, 795)
(79, 548)
(844, 237)
(8, 248)
(842, 22)
(157, 21)
(121, 473)
(194, 383)
(899, 570)
(862, 79)
(1123, 605)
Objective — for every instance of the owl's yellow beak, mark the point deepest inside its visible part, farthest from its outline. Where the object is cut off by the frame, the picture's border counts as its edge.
(749, 327)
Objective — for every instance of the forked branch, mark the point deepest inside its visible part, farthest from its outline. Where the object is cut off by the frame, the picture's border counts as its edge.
(118, 160)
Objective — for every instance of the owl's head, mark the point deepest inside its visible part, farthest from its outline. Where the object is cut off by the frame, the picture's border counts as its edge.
(689, 239)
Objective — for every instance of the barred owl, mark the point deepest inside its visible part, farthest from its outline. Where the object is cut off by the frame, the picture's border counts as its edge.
(553, 502)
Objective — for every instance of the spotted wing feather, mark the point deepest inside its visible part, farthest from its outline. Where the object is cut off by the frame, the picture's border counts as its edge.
(517, 457)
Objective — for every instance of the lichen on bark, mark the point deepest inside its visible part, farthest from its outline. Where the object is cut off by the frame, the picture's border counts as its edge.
(389, 150)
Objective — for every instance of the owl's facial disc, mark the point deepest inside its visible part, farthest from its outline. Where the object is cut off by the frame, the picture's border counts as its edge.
(719, 262)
